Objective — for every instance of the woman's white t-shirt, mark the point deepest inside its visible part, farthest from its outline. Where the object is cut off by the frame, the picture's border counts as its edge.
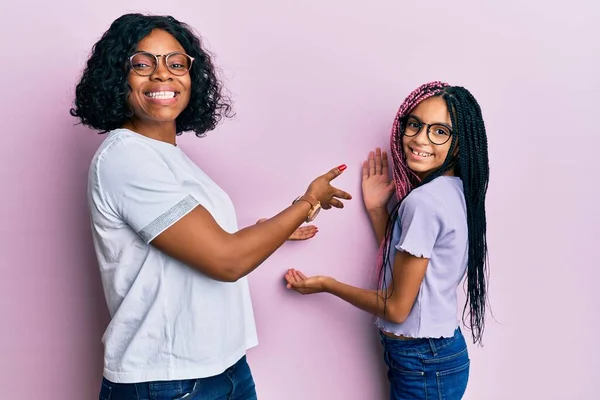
(168, 321)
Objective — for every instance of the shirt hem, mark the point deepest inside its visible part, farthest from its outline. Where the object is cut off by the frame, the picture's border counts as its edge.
(415, 335)
(168, 219)
(199, 372)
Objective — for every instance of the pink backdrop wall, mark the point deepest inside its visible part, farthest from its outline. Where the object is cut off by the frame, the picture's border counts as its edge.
(317, 84)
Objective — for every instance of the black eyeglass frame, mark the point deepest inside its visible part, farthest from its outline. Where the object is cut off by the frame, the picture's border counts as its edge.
(404, 120)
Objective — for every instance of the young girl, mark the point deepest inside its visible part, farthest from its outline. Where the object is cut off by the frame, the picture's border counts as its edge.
(435, 235)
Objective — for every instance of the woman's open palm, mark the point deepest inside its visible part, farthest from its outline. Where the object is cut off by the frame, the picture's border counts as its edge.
(302, 233)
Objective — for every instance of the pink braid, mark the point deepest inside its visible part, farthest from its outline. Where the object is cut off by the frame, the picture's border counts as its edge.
(404, 178)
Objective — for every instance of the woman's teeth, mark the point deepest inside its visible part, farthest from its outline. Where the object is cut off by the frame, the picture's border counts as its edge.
(161, 95)
(420, 153)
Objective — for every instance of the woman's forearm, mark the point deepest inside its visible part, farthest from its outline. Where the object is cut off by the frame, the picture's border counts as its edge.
(254, 244)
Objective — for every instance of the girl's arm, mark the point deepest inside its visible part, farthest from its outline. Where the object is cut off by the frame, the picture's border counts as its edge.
(422, 221)
(379, 218)
(408, 274)
(377, 188)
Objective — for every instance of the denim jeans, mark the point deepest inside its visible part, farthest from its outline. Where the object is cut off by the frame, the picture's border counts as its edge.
(432, 369)
(236, 383)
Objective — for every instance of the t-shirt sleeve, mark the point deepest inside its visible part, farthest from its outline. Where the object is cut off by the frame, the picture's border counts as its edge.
(138, 185)
(421, 222)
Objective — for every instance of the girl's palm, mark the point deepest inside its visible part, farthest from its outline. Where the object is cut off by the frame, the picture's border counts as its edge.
(377, 187)
(302, 284)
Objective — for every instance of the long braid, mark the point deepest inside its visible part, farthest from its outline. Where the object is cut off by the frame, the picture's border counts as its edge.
(473, 169)
(471, 166)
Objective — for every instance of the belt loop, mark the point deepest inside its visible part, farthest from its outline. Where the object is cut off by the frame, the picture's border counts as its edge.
(432, 345)
(137, 391)
(386, 352)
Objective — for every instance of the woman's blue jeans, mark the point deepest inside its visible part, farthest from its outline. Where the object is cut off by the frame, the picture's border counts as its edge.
(236, 383)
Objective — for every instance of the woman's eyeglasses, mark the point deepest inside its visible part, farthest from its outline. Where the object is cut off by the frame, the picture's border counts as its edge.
(145, 64)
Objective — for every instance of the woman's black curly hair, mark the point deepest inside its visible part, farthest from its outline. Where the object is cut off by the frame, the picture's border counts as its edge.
(101, 94)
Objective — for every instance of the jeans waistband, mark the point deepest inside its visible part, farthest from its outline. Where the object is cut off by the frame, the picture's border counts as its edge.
(420, 345)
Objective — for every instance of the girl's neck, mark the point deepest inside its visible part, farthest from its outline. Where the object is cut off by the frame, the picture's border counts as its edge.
(450, 172)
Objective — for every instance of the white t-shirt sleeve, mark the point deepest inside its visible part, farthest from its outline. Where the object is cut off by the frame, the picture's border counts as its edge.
(421, 222)
(140, 188)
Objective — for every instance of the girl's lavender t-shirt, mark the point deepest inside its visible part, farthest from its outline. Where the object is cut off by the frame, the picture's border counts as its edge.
(432, 223)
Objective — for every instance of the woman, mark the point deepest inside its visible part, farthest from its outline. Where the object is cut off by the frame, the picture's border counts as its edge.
(172, 260)
(435, 234)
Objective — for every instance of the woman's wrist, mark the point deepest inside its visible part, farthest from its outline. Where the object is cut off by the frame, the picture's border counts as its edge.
(311, 196)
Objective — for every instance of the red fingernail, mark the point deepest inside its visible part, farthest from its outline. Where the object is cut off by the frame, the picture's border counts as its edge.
(342, 167)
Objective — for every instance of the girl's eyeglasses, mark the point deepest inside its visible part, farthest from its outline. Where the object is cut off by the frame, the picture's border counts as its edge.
(437, 133)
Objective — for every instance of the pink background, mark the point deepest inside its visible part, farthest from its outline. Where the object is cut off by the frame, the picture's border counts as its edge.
(317, 84)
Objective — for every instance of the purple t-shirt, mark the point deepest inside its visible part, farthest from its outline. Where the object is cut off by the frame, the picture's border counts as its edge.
(432, 223)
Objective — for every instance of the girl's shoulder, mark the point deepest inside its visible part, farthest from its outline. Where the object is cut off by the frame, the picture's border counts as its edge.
(435, 198)
(438, 189)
